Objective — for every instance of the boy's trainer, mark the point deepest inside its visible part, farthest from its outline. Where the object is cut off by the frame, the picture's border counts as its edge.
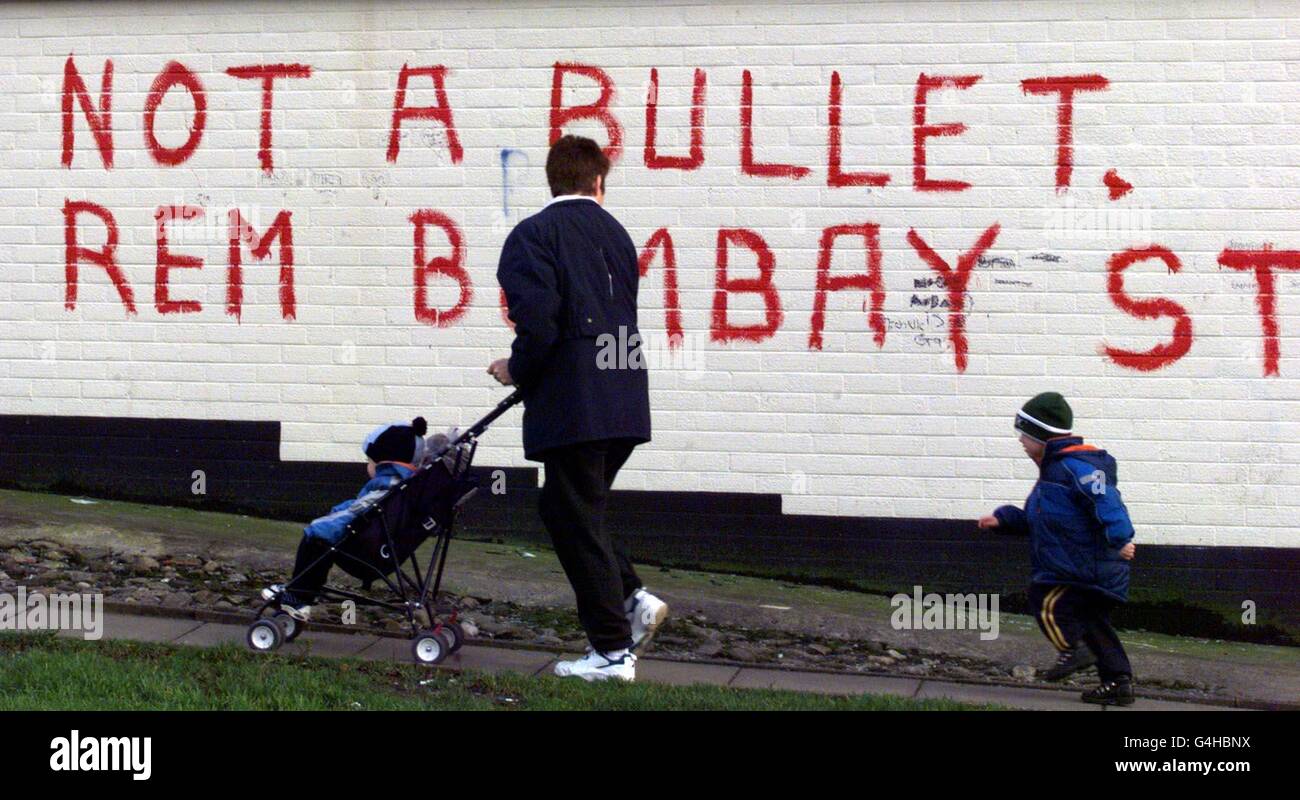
(1118, 692)
(1070, 662)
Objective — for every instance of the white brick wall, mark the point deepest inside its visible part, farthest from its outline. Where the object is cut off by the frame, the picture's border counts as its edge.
(1200, 116)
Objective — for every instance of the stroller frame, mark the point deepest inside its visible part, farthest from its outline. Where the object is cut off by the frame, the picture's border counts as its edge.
(432, 638)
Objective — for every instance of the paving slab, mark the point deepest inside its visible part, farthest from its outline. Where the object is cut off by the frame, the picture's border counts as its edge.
(141, 629)
(676, 673)
(486, 659)
(498, 659)
(328, 644)
(823, 683)
(1011, 696)
(211, 634)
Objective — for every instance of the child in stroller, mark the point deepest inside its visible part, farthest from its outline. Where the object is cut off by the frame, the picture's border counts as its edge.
(416, 489)
(394, 452)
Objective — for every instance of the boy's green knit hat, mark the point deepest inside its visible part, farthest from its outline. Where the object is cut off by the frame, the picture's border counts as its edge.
(1045, 416)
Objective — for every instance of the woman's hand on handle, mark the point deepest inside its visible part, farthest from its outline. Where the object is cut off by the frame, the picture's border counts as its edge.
(500, 369)
(988, 521)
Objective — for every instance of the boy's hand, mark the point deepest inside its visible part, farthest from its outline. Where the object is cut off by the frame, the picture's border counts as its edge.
(988, 521)
(1127, 551)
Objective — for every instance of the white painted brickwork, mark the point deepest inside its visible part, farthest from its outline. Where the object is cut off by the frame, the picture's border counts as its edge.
(1201, 116)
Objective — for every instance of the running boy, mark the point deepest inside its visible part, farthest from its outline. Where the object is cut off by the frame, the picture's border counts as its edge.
(1081, 540)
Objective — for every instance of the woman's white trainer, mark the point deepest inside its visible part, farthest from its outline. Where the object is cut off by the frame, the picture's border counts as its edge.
(646, 613)
(597, 666)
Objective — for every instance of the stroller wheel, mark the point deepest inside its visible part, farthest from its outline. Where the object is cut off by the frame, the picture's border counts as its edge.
(455, 635)
(265, 635)
(289, 626)
(430, 648)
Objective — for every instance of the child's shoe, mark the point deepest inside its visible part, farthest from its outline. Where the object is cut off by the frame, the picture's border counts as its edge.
(287, 602)
(1070, 662)
(1118, 692)
(646, 613)
(597, 666)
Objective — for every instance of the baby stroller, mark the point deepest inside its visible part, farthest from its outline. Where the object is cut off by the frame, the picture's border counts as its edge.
(380, 543)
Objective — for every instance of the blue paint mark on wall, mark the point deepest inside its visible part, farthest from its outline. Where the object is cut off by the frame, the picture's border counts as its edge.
(508, 153)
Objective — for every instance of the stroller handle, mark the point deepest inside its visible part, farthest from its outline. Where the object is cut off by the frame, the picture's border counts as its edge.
(477, 429)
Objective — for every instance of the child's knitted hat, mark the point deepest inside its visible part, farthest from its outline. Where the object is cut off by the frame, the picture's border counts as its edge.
(1045, 416)
(397, 442)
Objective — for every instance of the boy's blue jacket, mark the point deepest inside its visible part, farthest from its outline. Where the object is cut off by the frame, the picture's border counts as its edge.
(330, 527)
(1075, 519)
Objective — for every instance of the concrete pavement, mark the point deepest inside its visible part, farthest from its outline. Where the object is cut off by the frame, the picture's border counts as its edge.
(495, 659)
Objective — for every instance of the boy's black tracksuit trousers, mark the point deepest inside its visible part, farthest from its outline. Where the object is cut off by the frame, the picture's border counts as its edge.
(1071, 615)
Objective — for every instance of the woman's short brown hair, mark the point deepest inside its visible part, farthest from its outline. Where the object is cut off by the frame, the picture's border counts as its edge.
(573, 165)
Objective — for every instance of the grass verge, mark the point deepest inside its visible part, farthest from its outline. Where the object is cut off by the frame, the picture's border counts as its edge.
(42, 672)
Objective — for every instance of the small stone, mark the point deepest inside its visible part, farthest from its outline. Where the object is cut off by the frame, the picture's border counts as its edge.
(818, 649)
(741, 652)
(142, 564)
(470, 629)
(1023, 672)
(709, 648)
(550, 641)
(206, 597)
(468, 602)
(894, 654)
(211, 567)
(176, 600)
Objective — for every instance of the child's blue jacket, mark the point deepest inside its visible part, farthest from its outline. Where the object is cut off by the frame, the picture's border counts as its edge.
(1075, 519)
(330, 527)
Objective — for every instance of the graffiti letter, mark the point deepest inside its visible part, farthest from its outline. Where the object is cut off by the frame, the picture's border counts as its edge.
(866, 281)
(267, 73)
(260, 247)
(724, 331)
(1262, 263)
(439, 113)
(1162, 354)
(175, 73)
(662, 240)
(106, 258)
(955, 281)
(921, 130)
(452, 266)
(1066, 87)
(599, 110)
(687, 163)
(836, 175)
(747, 164)
(101, 124)
(167, 261)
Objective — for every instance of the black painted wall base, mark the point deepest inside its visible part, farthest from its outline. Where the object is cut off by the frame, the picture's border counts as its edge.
(238, 463)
